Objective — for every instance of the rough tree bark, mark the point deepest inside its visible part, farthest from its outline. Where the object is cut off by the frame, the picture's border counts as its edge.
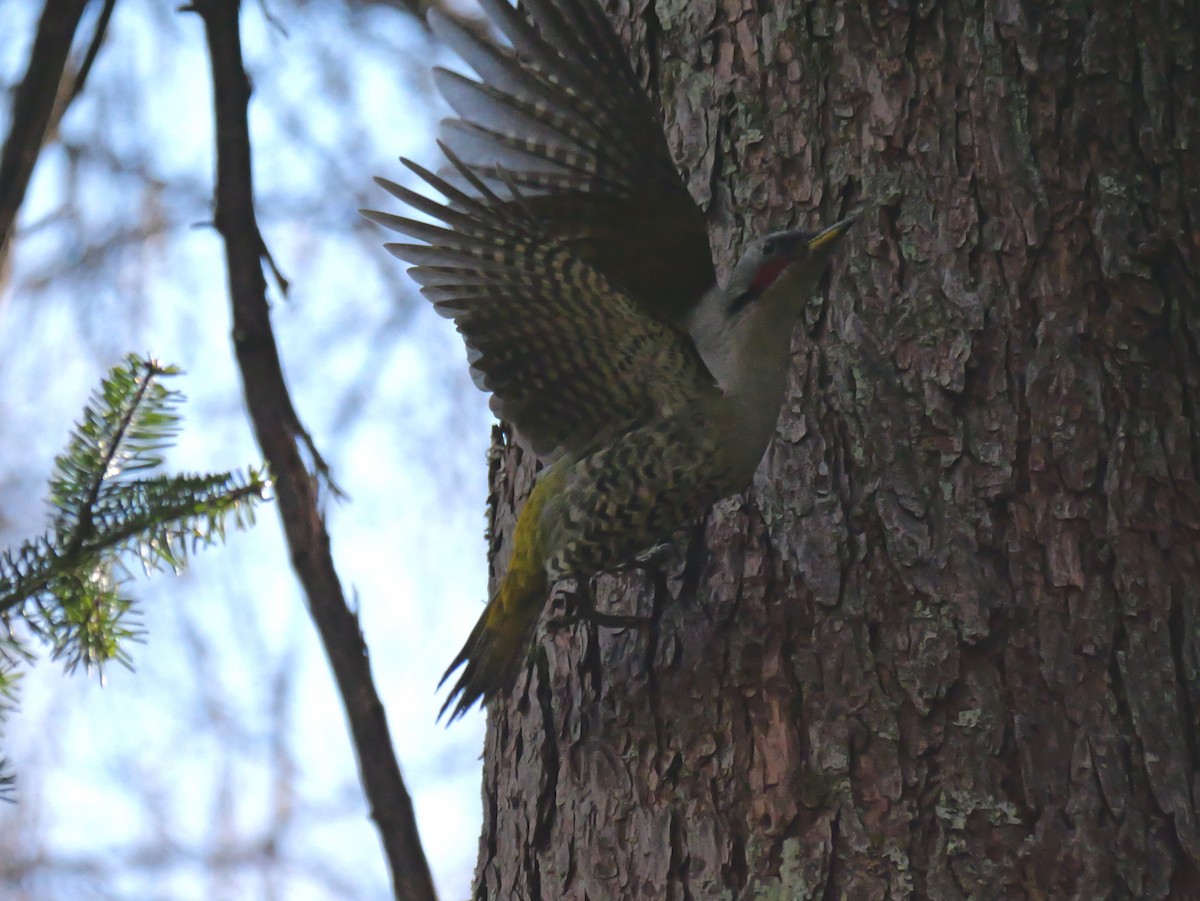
(948, 644)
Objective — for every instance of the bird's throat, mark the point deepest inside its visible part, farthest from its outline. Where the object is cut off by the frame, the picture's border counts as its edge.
(753, 379)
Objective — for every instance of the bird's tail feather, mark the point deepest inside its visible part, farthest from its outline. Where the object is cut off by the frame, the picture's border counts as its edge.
(492, 655)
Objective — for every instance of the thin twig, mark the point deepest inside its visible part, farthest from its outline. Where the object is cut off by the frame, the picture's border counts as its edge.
(93, 50)
(33, 108)
(280, 436)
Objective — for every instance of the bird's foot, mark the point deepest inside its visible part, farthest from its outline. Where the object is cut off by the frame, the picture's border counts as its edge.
(653, 558)
(614, 620)
(585, 612)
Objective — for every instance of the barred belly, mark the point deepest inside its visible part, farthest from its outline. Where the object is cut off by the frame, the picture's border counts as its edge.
(629, 495)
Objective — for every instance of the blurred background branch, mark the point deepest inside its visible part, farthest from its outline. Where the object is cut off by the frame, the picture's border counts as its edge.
(223, 767)
(37, 105)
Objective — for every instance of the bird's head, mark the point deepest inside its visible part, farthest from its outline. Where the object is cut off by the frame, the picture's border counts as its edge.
(745, 328)
(793, 259)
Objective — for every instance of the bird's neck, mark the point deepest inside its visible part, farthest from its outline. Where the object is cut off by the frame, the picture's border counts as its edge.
(749, 355)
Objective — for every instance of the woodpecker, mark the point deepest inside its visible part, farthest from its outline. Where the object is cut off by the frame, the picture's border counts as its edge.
(577, 268)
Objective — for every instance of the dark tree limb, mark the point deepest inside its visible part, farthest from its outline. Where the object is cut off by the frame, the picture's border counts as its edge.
(280, 435)
(36, 107)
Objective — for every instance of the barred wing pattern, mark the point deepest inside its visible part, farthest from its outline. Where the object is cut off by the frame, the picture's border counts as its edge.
(562, 115)
(569, 358)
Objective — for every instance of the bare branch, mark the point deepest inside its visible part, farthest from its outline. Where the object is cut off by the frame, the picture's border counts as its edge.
(34, 108)
(93, 50)
(280, 434)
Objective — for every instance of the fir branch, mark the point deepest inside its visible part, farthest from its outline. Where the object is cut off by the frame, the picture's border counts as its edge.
(64, 586)
(124, 428)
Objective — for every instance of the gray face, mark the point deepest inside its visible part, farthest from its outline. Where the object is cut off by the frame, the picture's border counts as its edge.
(761, 265)
(766, 259)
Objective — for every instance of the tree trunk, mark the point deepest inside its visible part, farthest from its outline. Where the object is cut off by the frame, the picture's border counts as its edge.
(948, 644)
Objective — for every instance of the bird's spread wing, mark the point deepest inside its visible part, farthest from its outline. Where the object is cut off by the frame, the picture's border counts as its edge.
(563, 115)
(567, 355)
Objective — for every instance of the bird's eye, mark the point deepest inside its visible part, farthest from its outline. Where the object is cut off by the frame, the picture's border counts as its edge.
(740, 302)
(768, 248)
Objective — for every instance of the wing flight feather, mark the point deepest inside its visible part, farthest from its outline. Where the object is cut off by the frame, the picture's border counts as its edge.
(562, 115)
(567, 355)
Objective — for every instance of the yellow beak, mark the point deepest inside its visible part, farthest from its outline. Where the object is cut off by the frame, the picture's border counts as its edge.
(827, 237)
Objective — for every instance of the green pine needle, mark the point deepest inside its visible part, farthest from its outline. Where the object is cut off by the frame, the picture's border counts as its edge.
(65, 587)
